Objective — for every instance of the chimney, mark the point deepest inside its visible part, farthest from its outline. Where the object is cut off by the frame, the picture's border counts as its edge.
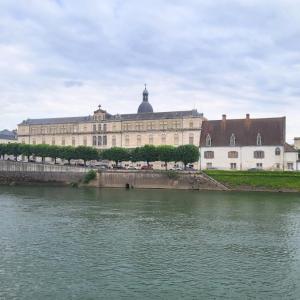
(223, 117)
(247, 116)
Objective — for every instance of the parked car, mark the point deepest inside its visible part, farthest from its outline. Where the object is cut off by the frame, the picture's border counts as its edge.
(131, 168)
(146, 167)
(118, 167)
(103, 167)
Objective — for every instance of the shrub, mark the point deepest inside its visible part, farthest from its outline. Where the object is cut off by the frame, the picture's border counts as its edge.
(90, 175)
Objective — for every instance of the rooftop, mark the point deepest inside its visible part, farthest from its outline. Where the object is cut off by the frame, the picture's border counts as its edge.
(245, 131)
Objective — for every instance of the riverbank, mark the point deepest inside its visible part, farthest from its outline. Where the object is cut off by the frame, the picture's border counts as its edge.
(258, 180)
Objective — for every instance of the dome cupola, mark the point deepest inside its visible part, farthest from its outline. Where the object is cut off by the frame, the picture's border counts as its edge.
(145, 106)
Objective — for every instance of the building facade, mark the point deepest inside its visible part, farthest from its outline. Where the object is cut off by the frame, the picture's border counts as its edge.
(243, 144)
(103, 130)
(7, 137)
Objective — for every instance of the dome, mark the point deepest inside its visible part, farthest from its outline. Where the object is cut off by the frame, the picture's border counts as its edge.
(145, 107)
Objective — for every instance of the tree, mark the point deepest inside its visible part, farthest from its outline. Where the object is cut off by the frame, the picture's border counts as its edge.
(86, 153)
(148, 153)
(13, 149)
(116, 154)
(42, 150)
(55, 152)
(187, 154)
(166, 153)
(3, 150)
(68, 153)
(26, 150)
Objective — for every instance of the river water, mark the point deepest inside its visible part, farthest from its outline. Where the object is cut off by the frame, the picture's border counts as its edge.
(68, 243)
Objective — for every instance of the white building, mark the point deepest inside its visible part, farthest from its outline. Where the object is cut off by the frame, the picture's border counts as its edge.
(243, 144)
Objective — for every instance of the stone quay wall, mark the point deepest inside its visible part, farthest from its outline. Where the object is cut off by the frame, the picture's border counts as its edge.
(30, 173)
(19, 172)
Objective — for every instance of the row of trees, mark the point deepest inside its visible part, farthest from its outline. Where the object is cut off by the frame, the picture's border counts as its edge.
(148, 153)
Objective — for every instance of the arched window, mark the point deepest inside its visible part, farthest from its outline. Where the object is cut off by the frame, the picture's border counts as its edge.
(258, 140)
(150, 139)
(277, 151)
(208, 141)
(191, 139)
(232, 140)
(176, 139)
(114, 141)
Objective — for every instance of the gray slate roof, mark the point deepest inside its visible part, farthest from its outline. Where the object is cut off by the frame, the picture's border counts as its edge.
(7, 135)
(123, 117)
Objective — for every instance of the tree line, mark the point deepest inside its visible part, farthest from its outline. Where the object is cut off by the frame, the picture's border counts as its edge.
(148, 153)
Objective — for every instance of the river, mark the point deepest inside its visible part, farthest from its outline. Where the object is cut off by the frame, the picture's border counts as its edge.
(68, 243)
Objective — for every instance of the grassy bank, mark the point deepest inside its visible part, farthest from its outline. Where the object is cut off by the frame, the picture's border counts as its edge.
(263, 179)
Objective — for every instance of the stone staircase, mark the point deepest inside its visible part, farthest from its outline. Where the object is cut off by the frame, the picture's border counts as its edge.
(203, 181)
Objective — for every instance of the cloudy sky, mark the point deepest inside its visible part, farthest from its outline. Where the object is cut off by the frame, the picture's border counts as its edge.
(64, 57)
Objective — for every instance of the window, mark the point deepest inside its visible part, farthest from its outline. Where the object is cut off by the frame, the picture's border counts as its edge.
(209, 165)
(34, 142)
(43, 141)
(209, 154)
(138, 140)
(259, 165)
(259, 154)
(23, 141)
(232, 140)
(99, 127)
(94, 127)
(208, 141)
(113, 141)
(290, 166)
(84, 141)
(233, 154)
(104, 140)
(191, 139)
(191, 124)
(114, 127)
(63, 141)
(163, 125)
(94, 140)
(258, 140)
(277, 151)
(150, 139)
(127, 140)
(104, 127)
(163, 139)
(53, 141)
(277, 166)
(233, 166)
(176, 139)
(99, 140)
(73, 141)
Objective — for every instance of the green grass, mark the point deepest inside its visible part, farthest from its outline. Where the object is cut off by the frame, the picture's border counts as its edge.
(262, 179)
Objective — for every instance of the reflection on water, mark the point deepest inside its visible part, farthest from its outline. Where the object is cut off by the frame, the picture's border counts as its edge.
(63, 243)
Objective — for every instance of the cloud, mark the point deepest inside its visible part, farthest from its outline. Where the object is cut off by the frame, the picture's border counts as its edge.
(63, 58)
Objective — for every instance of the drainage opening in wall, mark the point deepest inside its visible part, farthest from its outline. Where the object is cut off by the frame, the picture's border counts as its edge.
(127, 186)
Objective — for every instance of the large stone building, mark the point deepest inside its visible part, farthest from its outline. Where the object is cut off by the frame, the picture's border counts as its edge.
(242, 144)
(103, 130)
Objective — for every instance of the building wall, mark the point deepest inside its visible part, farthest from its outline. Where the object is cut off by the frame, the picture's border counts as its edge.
(290, 161)
(6, 141)
(297, 142)
(245, 158)
(126, 134)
